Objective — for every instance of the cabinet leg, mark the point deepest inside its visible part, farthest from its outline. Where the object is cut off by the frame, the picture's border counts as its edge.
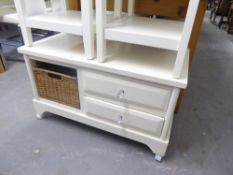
(40, 116)
(158, 158)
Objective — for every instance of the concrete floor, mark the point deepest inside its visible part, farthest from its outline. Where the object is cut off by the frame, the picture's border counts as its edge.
(201, 141)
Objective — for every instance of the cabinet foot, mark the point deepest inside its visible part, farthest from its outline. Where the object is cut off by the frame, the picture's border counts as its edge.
(158, 158)
(39, 116)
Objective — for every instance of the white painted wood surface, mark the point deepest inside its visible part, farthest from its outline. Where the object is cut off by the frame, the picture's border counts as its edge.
(186, 33)
(100, 24)
(125, 117)
(26, 31)
(117, 8)
(156, 145)
(147, 97)
(67, 22)
(131, 6)
(123, 120)
(34, 14)
(131, 86)
(88, 28)
(159, 33)
(145, 63)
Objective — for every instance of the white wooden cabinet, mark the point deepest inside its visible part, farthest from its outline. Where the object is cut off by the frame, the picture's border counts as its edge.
(132, 93)
(121, 99)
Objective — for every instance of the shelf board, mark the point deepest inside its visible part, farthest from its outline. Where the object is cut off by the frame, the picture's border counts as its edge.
(160, 33)
(67, 22)
(66, 48)
(135, 61)
(8, 15)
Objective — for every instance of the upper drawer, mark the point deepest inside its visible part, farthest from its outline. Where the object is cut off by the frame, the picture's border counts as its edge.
(151, 98)
(126, 118)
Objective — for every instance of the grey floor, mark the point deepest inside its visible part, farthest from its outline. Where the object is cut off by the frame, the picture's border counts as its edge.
(201, 141)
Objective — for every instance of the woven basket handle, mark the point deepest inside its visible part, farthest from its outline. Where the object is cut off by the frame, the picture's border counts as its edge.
(55, 76)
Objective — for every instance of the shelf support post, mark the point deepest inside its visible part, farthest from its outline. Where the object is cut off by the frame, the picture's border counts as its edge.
(170, 115)
(88, 28)
(26, 31)
(186, 33)
(100, 25)
(131, 5)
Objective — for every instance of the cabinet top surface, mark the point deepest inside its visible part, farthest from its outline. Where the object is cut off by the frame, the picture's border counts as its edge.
(140, 62)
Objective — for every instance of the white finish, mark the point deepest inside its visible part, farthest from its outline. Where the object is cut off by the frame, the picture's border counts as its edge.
(34, 7)
(117, 8)
(67, 22)
(33, 14)
(170, 114)
(139, 95)
(134, 61)
(59, 5)
(133, 93)
(30, 65)
(88, 28)
(154, 143)
(26, 31)
(187, 30)
(118, 119)
(158, 157)
(39, 116)
(8, 12)
(131, 4)
(126, 117)
(159, 33)
(9, 18)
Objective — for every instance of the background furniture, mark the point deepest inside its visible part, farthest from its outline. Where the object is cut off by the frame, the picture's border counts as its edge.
(2, 61)
(230, 19)
(220, 8)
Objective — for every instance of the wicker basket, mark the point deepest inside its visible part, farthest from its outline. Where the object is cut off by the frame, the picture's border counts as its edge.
(56, 86)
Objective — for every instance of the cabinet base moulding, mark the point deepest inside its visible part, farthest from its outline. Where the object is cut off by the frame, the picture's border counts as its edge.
(156, 145)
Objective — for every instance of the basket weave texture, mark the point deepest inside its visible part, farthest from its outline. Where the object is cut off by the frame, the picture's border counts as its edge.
(57, 87)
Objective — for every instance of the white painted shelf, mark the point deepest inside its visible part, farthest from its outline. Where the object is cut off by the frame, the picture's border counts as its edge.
(160, 33)
(67, 21)
(141, 62)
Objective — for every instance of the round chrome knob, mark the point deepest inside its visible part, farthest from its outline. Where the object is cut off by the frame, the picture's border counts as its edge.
(120, 94)
(120, 119)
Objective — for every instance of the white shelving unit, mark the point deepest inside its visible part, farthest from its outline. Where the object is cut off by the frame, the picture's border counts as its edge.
(34, 14)
(131, 87)
(123, 58)
(158, 33)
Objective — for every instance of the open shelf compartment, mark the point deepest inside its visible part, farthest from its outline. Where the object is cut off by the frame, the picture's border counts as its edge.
(160, 33)
(35, 14)
(140, 62)
(65, 21)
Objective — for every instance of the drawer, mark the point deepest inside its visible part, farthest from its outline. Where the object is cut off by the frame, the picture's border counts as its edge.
(127, 118)
(139, 95)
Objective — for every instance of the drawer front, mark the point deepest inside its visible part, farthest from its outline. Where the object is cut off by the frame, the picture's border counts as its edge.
(150, 98)
(127, 118)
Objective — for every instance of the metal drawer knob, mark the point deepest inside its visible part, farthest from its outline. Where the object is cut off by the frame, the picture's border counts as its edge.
(120, 119)
(120, 94)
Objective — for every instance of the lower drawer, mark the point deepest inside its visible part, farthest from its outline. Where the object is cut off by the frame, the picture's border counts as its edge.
(127, 118)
